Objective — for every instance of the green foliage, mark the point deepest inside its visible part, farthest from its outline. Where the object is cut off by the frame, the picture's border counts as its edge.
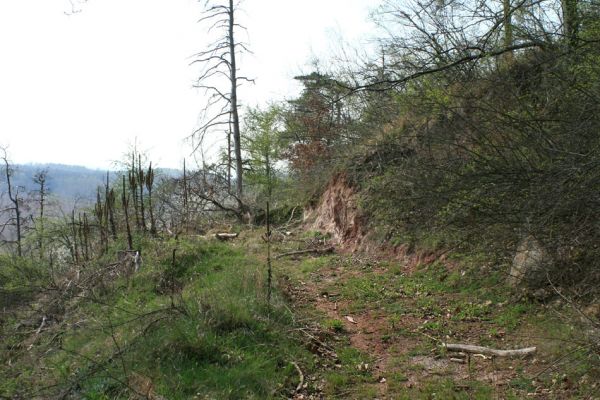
(213, 333)
(19, 273)
(334, 324)
(264, 143)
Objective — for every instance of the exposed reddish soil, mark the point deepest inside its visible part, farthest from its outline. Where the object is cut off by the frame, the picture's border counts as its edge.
(338, 214)
(405, 354)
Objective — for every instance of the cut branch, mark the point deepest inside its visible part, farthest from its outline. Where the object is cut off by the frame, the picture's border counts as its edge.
(326, 250)
(467, 348)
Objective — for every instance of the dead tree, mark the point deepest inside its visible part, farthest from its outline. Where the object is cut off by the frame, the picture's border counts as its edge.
(220, 61)
(40, 179)
(100, 214)
(133, 187)
(125, 203)
(186, 209)
(110, 208)
(141, 182)
(74, 232)
(13, 196)
(149, 181)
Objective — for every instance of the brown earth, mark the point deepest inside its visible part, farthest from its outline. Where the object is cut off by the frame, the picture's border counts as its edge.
(405, 356)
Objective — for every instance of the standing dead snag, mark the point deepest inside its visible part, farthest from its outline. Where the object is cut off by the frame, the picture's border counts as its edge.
(186, 209)
(100, 212)
(149, 181)
(125, 203)
(74, 247)
(220, 60)
(40, 179)
(141, 182)
(110, 203)
(13, 196)
(133, 187)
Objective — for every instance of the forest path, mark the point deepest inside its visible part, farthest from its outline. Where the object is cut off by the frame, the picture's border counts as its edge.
(387, 323)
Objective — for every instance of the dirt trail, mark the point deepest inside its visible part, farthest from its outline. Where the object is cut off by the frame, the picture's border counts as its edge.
(404, 354)
(399, 319)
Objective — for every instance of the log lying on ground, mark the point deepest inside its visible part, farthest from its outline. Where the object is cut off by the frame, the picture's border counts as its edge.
(307, 251)
(226, 236)
(467, 348)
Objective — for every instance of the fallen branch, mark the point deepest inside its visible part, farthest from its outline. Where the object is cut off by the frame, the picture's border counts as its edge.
(466, 348)
(326, 250)
(226, 236)
(300, 377)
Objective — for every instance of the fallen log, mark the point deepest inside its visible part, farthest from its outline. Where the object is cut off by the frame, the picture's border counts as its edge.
(326, 250)
(226, 236)
(467, 348)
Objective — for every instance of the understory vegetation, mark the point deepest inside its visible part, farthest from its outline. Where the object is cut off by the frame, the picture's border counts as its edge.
(444, 192)
(192, 323)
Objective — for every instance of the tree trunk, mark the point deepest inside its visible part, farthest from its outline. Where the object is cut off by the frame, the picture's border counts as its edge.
(40, 179)
(152, 222)
(234, 107)
(15, 201)
(570, 20)
(141, 182)
(185, 198)
(125, 202)
(75, 249)
(111, 213)
(508, 29)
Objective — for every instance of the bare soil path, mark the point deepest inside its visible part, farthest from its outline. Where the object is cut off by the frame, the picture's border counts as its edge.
(397, 319)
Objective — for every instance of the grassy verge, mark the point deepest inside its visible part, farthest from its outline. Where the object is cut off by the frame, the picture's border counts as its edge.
(198, 327)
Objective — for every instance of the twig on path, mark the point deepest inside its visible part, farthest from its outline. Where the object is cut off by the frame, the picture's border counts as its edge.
(307, 251)
(300, 377)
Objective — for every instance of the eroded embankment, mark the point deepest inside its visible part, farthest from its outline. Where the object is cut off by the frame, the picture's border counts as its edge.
(388, 311)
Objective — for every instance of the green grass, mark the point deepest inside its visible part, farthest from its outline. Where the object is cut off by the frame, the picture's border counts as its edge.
(448, 390)
(334, 324)
(353, 372)
(200, 328)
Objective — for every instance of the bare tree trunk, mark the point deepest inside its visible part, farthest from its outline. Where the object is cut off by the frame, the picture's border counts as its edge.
(111, 213)
(185, 198)
(14, 199)
(149, 181)
(42, 203)
(74, 231)
(125, 202)
(141, 182)
(229, 156)
(508, 29)
(570, 20)
(134, 190)
(40, 179)
(99, 212)
(234, 106)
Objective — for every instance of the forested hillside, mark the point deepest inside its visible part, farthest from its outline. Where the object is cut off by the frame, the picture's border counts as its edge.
(419, 224)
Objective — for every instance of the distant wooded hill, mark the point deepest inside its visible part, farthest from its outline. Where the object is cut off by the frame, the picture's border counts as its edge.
(68, 183)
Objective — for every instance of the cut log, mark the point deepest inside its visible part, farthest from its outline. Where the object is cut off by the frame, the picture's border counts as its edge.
(326, 250)
(467, 348)
(226, 236)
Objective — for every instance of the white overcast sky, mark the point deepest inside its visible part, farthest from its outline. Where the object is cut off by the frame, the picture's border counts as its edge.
(78, 89)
